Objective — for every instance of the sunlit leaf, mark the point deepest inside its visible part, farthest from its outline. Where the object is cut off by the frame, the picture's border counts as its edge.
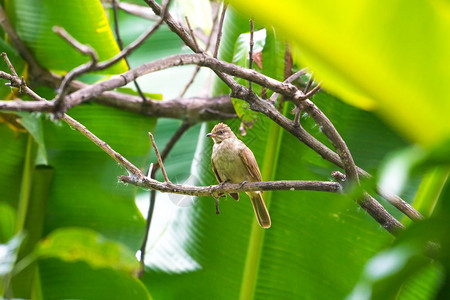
(78, 244)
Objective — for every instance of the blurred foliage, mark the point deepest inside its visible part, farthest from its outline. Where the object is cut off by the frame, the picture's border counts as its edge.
(68, 229)
(383, 55)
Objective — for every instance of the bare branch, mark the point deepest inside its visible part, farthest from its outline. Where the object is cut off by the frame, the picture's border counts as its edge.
(197, 48)
(192, 110)
(18, 82)
(30, 106)
(10, 66)
(219, 32)
(159, 158)
(226, 188)
(250, 53)
(288, 90)
(84, 68)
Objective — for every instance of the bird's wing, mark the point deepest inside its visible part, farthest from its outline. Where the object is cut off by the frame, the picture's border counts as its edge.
(215, 171)
(219, 180)
(250, 162)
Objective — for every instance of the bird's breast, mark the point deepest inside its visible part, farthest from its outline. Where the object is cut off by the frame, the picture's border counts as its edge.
(227, 160)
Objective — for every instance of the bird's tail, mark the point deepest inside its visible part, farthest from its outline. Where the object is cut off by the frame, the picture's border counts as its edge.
(262, 215)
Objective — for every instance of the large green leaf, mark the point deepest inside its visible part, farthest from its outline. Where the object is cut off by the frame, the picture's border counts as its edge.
(77, 280)
(27, 280)
(12, 155)
(85, 20)
(76, 244)
(383, 54)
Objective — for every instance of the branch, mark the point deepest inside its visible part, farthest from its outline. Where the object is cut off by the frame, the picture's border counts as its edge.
(288, 90)
(82, 69)
(217, 190)
(191, 110)
(219, 32)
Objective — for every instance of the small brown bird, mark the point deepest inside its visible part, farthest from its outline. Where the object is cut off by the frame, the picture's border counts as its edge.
(232, 161)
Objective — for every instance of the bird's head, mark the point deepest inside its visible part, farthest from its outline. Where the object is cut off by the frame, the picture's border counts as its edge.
(221, 132)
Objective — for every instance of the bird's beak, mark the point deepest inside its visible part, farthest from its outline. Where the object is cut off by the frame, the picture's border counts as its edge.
(210, 134)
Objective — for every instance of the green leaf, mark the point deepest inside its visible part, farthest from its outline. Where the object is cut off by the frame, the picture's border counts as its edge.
(387, 55)
(79, 244)
(77, 280)
(85, 20)
(34, 127)
(12, 155)
(384, 273)
(430, 190)
(27, 279)
(7, 222)
(242, 47)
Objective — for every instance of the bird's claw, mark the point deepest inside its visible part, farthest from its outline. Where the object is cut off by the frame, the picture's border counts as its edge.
(217, 206)
(242, 183)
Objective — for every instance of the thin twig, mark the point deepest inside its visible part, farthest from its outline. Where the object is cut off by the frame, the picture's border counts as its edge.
(17, 82)
(250, 53)
(154, 167)
(136, 43)
(10, 66)
(120, 43)
(197, 68)
(84, 68)
(219, 32)
(197, 48)
(159, 158)
(297, 109)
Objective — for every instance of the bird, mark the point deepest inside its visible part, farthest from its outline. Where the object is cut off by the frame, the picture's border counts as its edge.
(233, 162)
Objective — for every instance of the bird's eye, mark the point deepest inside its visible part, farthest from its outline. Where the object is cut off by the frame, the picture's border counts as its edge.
(220, 132)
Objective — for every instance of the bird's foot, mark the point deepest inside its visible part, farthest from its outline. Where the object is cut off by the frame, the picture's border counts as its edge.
(217, 206)
(243, 183)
